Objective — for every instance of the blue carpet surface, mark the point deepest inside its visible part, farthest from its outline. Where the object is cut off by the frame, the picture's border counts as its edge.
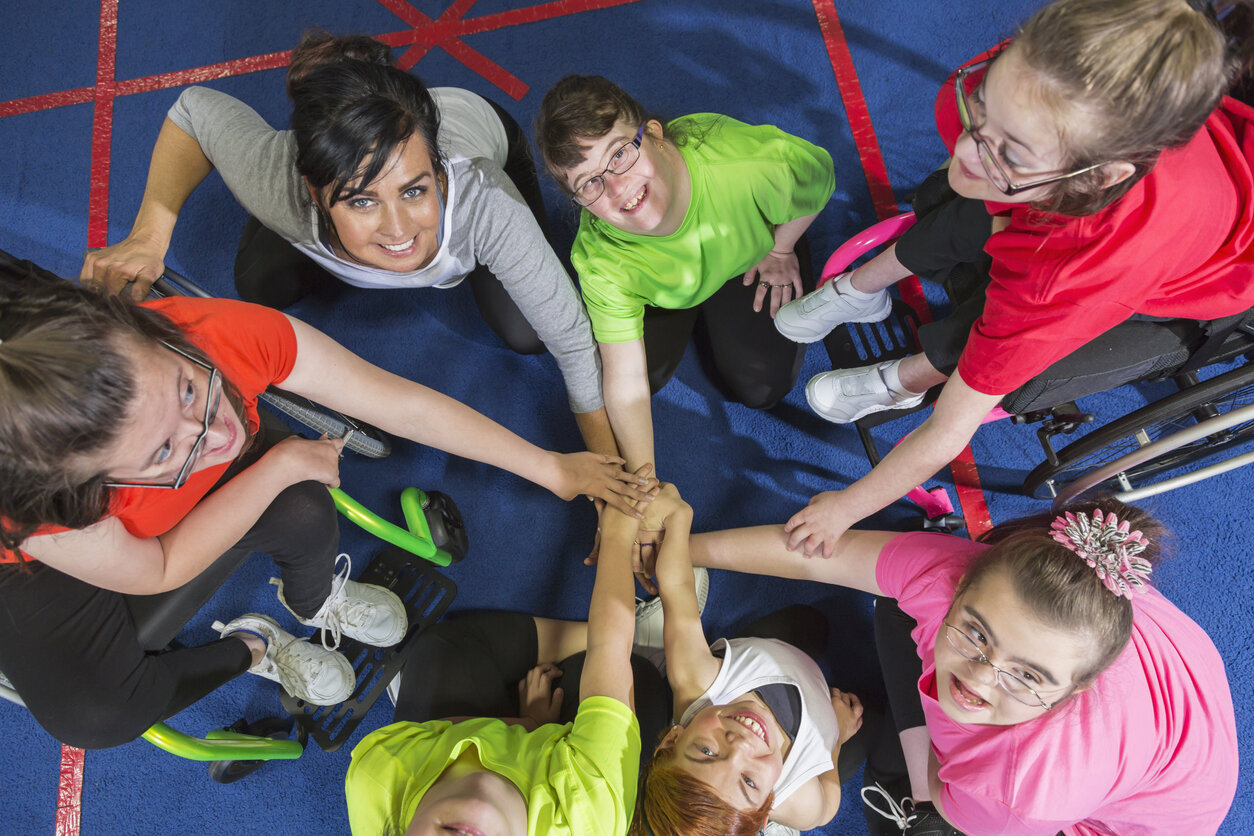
(758, 60)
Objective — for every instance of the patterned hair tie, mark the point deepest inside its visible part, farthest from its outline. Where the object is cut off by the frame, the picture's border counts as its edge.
(1109, 547)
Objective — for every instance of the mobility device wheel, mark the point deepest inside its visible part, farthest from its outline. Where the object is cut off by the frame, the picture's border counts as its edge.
(1135, 454)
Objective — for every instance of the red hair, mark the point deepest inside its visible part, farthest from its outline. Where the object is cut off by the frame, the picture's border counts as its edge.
(675, 803)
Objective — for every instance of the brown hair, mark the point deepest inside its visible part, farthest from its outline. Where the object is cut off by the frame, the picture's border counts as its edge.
(579, 110)
(67, 382)
(1060, 588)
(674, 803)
(1129, 79)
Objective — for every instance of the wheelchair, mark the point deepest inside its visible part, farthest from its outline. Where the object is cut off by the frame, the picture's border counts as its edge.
(1202, 429)
(433, 531)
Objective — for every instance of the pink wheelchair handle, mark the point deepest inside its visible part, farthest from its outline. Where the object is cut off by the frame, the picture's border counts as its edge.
(862, 243)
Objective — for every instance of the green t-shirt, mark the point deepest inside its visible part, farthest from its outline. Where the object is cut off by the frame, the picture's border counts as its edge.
(579, 779)
(746, 180)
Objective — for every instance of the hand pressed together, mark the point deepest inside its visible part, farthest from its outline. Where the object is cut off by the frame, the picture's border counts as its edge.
(599, 476)
(778, 275)
(816, 528)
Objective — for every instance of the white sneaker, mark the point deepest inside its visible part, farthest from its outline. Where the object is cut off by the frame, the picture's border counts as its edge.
(362, 611)
(648, 640)
(845, 395)
(815, 315)
(313, 674)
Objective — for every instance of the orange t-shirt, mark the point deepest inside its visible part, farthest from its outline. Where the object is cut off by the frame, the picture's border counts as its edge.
(253, 347)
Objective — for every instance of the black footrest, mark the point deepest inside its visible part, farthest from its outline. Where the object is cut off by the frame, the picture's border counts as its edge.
(426, 594)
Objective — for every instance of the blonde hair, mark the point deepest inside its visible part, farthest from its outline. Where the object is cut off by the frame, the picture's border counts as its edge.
(1128, 79)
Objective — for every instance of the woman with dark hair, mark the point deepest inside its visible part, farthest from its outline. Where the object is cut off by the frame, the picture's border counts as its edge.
(132, 456)
(1037, 681)
(381, 183)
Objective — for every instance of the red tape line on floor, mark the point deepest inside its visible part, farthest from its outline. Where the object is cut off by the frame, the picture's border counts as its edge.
(966, 477)
(70, 791)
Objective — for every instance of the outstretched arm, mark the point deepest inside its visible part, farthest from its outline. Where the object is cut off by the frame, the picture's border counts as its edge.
(764, 551)
(178, 166)
(611, 615)
(691, 667)
(332, 375)
(816, 528)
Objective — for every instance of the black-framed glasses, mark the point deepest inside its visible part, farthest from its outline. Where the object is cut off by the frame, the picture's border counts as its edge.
(587, 192)
(971, 115)
(1011, 683)
(213, 397)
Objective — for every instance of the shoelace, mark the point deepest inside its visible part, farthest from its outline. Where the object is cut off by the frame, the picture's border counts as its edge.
(294, 666)
(895, 812)
(336, 610)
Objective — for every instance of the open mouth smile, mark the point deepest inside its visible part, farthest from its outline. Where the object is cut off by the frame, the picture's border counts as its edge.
(401, 249)
(634, 203)
(753, 723)
(964, 697)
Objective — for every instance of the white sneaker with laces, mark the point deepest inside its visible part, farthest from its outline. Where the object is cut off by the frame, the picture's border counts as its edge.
(648, 640)
(362, 611)
(845, 395)
(818, 313)
(314, 674)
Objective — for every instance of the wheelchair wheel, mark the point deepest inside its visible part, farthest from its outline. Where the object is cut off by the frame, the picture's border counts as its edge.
(1111, 457)
(366, 440)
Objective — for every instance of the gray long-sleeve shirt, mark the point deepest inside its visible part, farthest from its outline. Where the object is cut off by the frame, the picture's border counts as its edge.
(486, 220)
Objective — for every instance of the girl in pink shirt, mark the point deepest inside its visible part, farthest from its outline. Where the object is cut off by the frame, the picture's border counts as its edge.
(1059, 692)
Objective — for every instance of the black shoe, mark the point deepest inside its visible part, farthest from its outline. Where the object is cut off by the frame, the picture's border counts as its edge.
(914, 819)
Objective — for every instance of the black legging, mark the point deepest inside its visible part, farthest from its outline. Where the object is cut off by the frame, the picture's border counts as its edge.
(74, 653)
(270, 271)
(745, 356)
(469, 665)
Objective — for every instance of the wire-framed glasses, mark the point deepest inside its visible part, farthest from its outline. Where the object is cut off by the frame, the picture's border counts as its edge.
(587, 192)
(971, 115)
(1011, 683)
(213, 397)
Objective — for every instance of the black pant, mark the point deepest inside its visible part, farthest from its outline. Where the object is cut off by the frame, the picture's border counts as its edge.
(74, 652)
(469, 665)
(270, 271)
(805, 628)
(744, 355)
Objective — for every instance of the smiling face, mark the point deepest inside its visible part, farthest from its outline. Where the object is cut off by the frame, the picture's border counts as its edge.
(650, 198)
(738, 749)
(165, 419)
(1022, 134)
(393, 222)
(1014, 639)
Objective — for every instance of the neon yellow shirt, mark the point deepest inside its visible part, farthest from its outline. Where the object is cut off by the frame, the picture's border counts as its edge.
(746, 180)
(579, 779)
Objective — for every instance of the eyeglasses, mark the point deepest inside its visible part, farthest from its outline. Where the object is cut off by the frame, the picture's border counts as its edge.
(1012, 684)
(213, 397)
(971, 115)
(624, 158)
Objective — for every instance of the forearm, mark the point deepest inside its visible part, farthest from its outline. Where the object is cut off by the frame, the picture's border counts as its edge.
(787, 234)
(598, 437)
(630, 412)
(177, 167)
(674, 573)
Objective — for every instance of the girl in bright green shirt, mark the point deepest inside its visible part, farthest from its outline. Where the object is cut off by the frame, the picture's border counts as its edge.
(675, 214)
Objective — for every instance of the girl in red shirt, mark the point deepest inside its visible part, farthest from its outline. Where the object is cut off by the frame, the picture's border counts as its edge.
(1097, 173)
(133, 457)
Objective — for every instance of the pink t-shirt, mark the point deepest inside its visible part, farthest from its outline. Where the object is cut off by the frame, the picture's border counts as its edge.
(1151, 748)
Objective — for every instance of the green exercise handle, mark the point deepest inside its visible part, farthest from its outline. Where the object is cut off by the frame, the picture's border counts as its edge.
(222, 745)
(417, 539)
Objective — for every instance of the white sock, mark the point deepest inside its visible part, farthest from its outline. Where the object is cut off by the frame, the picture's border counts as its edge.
(893, 381)
(844, 286)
